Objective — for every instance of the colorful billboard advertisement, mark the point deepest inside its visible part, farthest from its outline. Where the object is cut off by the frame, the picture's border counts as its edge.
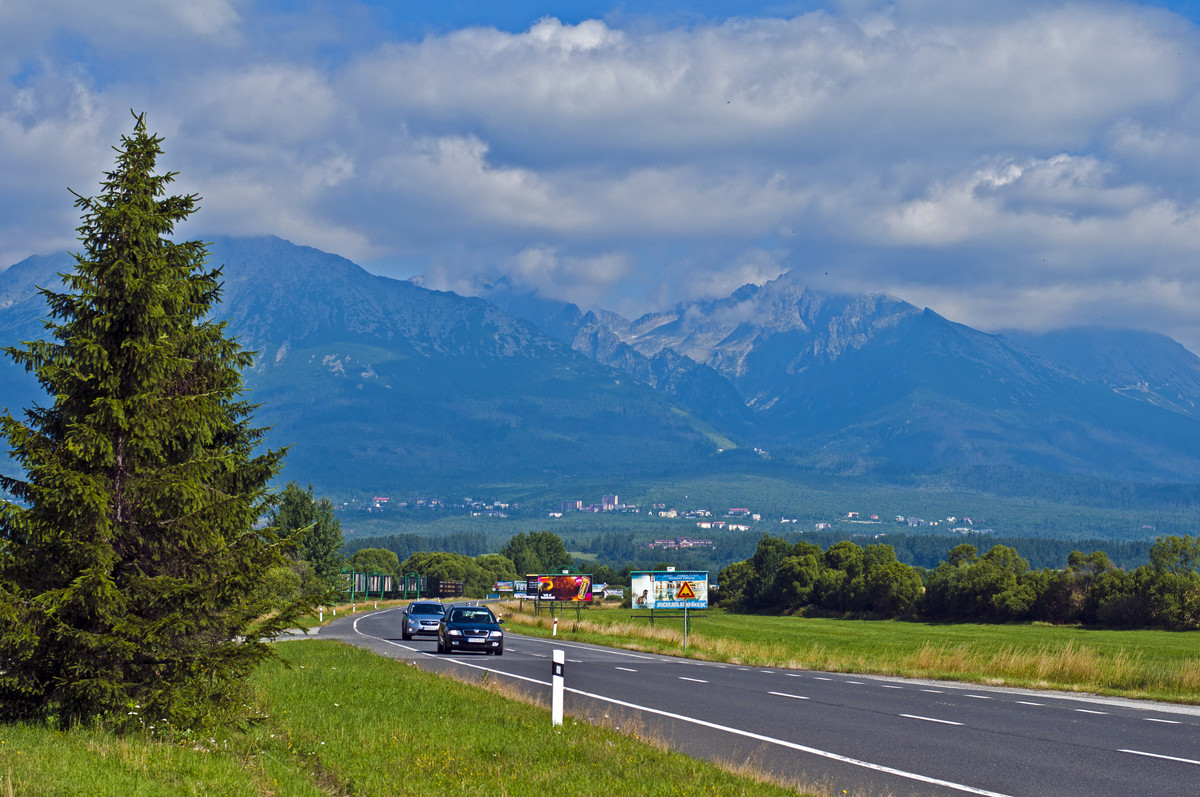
(560, 587)
(669, 589)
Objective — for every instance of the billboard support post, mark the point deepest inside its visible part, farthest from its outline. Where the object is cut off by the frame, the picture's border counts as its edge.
(556, 699)
(685, 624)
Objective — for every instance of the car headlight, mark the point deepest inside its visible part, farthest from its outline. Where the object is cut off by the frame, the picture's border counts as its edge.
(454, 632)
(496, 633)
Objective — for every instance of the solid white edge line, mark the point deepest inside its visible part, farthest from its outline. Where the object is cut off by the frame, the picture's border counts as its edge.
(785, 694)
(725, 729)
(930, 719)
(1158, 755)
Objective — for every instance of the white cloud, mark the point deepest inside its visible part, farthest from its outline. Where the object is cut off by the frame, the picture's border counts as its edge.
(988, 156)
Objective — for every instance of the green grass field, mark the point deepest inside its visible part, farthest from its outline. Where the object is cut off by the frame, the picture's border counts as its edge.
(343, 721)
(1157, 665)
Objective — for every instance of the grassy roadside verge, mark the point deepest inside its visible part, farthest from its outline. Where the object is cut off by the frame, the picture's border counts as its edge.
(1155, 665)
(328, 614)
(343, 721)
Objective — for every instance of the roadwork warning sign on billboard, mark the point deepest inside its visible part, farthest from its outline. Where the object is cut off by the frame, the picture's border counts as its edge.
(669, 589)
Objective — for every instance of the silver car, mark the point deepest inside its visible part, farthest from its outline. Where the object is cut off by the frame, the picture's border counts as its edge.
(422, 617)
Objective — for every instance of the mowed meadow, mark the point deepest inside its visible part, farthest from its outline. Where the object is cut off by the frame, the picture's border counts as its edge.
(1149, 664)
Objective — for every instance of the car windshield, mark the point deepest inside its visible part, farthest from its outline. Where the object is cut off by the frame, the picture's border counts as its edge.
(471, 616)
(426, 608)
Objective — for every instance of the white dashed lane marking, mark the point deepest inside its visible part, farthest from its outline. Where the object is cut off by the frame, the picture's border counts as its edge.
(1166, 757)
(785, 694)
(930, 719)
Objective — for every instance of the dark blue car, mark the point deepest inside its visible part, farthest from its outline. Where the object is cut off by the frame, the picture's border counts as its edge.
(470, 628)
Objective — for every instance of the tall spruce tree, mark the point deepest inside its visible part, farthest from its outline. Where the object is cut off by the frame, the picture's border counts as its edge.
(129, 557)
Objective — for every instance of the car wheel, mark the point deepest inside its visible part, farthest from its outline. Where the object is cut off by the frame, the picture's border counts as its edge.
(441, 647)
(500, 651)
(405, 635)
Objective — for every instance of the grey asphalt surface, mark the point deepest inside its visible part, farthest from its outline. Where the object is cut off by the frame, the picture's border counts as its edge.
(866, 734)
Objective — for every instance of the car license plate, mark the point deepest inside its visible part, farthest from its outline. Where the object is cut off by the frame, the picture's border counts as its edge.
(478, 640)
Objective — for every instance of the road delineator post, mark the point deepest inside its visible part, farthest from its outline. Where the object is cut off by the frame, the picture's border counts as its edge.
(554, 631)
(556, 687)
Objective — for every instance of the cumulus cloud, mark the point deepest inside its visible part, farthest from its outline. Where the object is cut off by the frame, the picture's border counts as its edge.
(1007, 164)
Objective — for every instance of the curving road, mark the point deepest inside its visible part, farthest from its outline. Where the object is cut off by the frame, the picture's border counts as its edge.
(865, 734)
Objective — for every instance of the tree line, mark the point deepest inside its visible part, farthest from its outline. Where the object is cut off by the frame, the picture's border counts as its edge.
(524, 553)
(996, 586)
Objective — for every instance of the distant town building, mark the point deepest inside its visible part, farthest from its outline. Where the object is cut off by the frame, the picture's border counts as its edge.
(609, 503)
(680, 542)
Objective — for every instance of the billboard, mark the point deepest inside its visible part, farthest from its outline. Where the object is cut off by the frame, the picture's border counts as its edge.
(669, 589)
(560, 587)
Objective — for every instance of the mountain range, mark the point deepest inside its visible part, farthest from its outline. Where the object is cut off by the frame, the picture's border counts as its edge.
(380, 385)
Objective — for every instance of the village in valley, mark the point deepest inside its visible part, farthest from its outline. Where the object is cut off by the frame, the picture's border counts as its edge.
(732, 519)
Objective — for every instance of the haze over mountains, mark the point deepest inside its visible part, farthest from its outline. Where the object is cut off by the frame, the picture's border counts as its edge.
(382, 385)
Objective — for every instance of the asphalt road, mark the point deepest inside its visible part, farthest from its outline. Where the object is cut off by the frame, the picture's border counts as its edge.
(866, 734)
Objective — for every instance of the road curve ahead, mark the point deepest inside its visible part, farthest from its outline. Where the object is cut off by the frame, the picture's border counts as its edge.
(865, 734)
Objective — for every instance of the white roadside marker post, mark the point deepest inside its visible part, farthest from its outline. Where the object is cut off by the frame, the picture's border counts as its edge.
(556, 680)
(554, 632)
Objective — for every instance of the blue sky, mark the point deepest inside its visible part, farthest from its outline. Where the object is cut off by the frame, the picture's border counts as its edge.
(1013, 164)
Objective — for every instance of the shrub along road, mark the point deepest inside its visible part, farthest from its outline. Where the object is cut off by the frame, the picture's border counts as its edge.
(862, 733)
